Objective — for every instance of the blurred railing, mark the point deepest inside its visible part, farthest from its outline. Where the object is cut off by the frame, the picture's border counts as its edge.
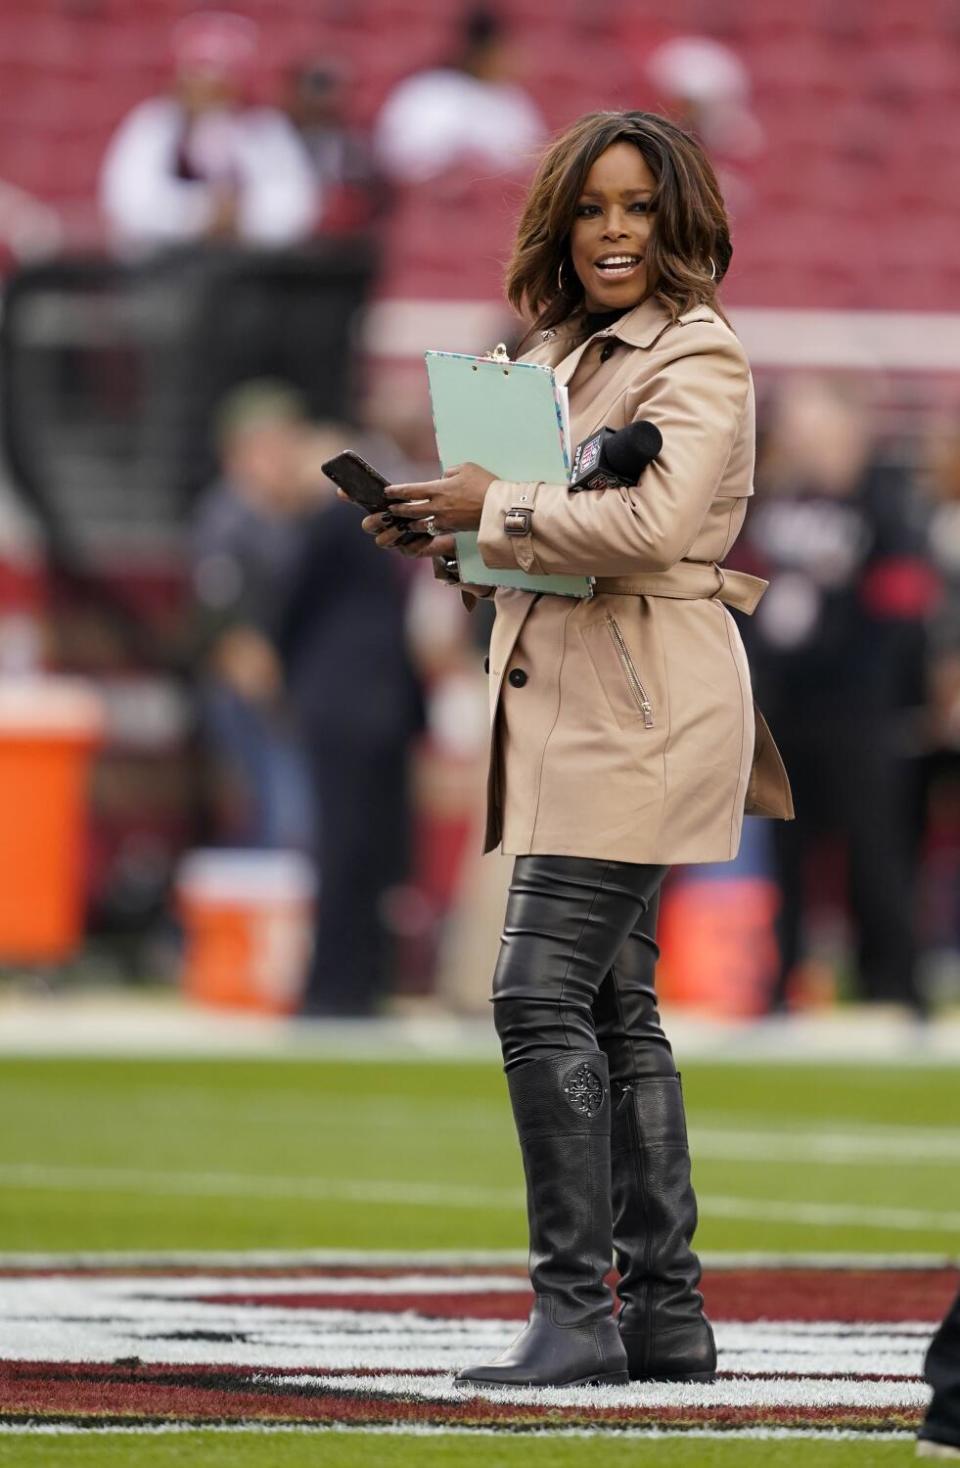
(111, 373)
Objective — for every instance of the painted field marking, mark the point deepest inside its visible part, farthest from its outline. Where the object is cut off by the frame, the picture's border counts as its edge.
(831, 1214)
(414, 1330)
(30, 1176)
(844, 1149)
(780, 1391)
(423, 1429)
(239, 1259)
(368, 1347)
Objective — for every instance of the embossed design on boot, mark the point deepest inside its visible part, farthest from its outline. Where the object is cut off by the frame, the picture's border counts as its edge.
(583, 1089)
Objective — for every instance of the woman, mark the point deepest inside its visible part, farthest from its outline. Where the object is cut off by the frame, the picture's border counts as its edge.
(624, 736)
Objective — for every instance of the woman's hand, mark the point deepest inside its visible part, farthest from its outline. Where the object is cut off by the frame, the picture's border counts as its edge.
(387, 536)
(454, 502)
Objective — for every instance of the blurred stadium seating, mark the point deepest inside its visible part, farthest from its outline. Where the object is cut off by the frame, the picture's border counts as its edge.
(853, 201)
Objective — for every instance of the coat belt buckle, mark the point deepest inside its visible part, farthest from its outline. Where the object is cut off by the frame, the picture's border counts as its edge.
(714, 595)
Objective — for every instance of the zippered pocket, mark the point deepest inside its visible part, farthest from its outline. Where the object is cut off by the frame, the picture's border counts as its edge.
(633, 677)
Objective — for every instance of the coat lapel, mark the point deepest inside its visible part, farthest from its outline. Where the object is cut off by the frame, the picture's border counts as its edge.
(640, 327)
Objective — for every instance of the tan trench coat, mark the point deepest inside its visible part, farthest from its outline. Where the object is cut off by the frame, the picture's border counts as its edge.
(623, 727)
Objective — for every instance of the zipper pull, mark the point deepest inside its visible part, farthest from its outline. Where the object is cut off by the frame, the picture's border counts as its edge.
(647, 715)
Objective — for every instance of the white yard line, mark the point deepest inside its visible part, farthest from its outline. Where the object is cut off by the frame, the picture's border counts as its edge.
(818, 1148)
(29, 1176)
(256, 1259)
(842, 1214)
(782, 1391)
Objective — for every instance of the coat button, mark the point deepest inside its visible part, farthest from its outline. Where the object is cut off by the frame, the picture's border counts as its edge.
(516, 677)
(486, 665)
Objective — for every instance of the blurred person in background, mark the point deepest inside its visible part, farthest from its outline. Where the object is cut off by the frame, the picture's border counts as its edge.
(201, 165)
(941, 886)
(706, 86)
(245, 542)
(710, 86)
(342, 637)
(348, 179)
(29, 229)
(837, 648)
(471, 111)
(943, 472)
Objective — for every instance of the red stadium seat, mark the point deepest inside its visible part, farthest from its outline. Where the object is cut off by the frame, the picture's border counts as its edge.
(859, 105)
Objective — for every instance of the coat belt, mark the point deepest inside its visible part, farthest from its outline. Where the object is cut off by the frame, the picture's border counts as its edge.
(690, 581)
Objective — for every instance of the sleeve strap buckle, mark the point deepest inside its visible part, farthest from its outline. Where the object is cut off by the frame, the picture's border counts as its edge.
(518, 521)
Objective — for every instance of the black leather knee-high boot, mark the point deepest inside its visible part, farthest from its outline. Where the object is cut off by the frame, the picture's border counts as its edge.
(662, 1324)
(561, 1106)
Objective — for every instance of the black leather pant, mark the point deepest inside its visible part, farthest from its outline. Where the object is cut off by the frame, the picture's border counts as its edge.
(576, 966)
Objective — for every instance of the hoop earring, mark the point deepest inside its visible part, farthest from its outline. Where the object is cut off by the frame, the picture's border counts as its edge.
(560, 286)
(713, 268)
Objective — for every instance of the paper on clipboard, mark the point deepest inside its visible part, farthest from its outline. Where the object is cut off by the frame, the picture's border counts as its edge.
(513, 418)
(563, 397)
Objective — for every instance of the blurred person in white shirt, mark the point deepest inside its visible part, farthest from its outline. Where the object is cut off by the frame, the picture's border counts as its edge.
(200, 164)
(471, 109)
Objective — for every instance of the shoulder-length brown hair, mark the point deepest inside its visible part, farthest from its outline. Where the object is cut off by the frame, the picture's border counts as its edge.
(689, 249)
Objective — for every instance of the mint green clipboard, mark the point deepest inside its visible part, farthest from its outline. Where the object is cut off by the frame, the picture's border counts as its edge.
(508, 417)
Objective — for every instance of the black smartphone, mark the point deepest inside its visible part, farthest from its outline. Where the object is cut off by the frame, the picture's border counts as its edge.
(359, 480)
(365, 485)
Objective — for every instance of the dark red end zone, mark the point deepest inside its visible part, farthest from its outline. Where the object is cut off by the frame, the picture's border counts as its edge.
(737, 1294)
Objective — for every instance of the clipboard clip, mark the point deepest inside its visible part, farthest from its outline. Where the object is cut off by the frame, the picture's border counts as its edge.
(499, 353)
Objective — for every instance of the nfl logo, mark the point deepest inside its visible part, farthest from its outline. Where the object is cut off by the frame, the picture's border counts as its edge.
(589, 455)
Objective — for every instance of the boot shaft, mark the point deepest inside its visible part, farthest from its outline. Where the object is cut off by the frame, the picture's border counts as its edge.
(562, 1111)
(654, 1210)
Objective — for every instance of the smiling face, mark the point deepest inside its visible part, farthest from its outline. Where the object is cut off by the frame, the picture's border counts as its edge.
(613, 222)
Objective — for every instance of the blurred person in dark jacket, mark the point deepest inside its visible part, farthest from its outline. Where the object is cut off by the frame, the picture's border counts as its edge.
(200, 164)
(941, 886)
(245, 541)
(341, 634)
(943, 487)
(838, 650)
(354, 192)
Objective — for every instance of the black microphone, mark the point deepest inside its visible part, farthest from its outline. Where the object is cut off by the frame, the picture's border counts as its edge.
(615, 457)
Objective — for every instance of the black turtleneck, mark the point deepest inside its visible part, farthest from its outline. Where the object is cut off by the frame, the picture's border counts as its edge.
(594, 321)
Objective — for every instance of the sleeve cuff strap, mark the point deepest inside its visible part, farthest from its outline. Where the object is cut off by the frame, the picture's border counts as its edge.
(505, 541)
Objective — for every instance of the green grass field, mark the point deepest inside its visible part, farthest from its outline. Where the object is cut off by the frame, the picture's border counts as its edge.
(270, 1154)
(221, 1154)
(368, 1450)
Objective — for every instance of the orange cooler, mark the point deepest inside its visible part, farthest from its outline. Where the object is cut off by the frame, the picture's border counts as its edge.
(49, 729)
(248, 926)
(718, 943)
